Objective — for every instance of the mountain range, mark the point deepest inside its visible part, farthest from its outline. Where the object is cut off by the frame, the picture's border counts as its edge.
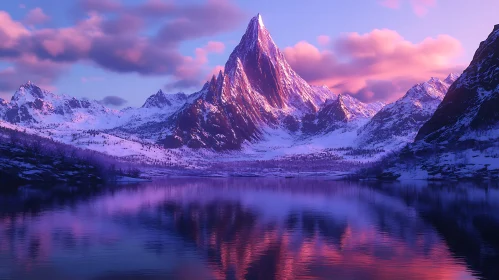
(259, 108)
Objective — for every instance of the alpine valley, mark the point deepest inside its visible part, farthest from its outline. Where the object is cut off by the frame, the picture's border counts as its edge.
(259, 117)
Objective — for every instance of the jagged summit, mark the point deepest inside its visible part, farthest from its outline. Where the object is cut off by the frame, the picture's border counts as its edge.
(28, 92)
(256, 28)
(258, 61)
(161, 99)
(258, 88)
(452, 78)
(256, 39)
(260, 20)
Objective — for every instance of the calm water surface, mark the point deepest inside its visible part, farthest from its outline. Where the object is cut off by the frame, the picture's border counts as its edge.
(252, 229)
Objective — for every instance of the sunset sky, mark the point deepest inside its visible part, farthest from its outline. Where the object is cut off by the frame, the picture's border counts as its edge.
(373, 49)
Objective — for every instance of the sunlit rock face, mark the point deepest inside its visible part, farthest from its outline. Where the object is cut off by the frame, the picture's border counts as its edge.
(257, 89)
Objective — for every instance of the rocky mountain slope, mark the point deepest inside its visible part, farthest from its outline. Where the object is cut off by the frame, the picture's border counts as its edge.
(460, 140)
(162, 100)
(399, 122)
(471, 104)
(337, 113)
(258, 89)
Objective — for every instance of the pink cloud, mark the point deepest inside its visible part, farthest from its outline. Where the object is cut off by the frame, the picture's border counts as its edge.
(36, 16)
(28, 67)
(420, 7)
(380, 65)
(215, 47)
(192, 68)
(10, 30)
(323, 40)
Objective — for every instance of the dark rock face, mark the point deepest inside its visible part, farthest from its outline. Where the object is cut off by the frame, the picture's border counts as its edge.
(258, 88)
(19, 114)
(472, 101)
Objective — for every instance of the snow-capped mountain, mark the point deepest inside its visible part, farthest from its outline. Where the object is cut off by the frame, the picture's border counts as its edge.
(460, 140)
(398, 123)
(33, 106)
(471, 104)
(161, 100)
(258, 89)
(336, 113)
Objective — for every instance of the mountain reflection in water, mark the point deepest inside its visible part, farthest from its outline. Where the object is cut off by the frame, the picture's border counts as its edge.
(195, 228)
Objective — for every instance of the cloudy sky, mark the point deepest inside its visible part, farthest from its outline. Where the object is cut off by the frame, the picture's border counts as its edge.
(125, 50)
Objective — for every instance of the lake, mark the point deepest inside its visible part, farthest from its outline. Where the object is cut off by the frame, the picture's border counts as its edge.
(252, 228)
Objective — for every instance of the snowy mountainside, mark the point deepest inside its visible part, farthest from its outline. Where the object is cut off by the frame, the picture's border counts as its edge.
(88, 124)
(124, 147)
(32, 106)
(344, 111)
(162, 100)
(460, 140)
(471, 103)
(398, 123)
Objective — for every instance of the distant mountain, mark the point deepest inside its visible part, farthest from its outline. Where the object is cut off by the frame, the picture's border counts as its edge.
(339, 112)
(161, 100)
(398, 123)
(460, 140)
(33, 106)
(472, 103)
(258, 89)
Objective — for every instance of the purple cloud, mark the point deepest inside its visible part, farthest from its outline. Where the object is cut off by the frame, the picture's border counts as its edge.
(103, 6)
(195, 21)
(154, 8)
(112, 36)
(112, 100)
(36, 16)
(42, 72)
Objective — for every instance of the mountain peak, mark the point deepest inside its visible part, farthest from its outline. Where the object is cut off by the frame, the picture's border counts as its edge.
(451, 78)
(256, 37)
(256, 24)
(260, 20)
(27, 92)
(161, 99)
